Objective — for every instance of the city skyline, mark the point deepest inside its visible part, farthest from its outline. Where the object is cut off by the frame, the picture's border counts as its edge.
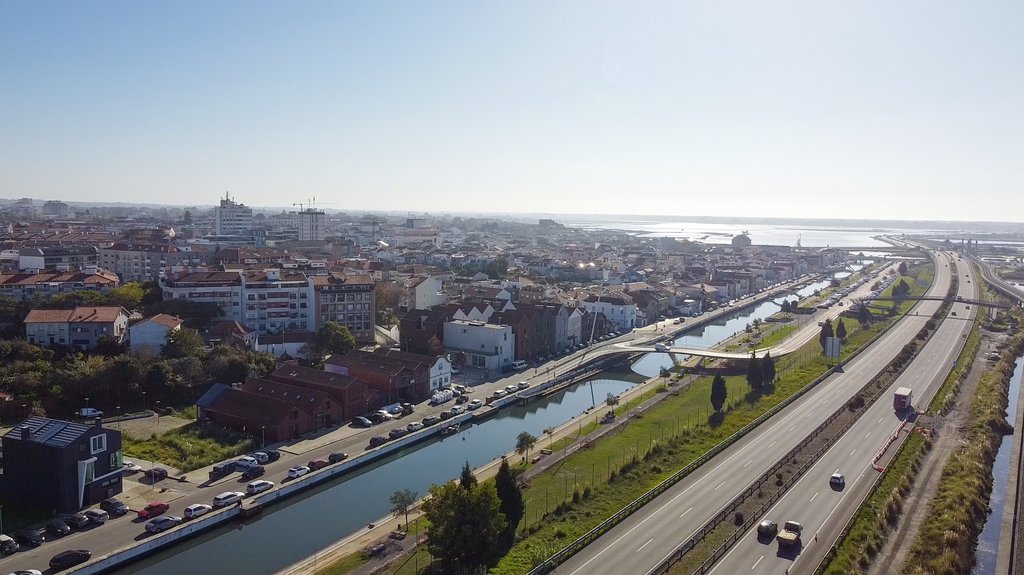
(798, 110)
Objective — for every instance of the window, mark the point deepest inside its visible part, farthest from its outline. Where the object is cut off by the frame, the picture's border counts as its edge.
(98, 443)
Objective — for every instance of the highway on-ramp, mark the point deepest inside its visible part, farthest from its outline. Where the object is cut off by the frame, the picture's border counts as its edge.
(646, 538)
(822, 510)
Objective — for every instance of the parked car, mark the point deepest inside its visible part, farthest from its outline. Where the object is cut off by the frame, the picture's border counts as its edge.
(377, 440)
(259, 486)
(245, 462)
(227, 498)
(397, 432)
(156, 474)
(153, 509)
(29, 536)
(97, 516)
(253, 473)
(511, 388)
(8, 545)
(361, 421)
(447, 414)
(474, 404)
(524, 384)
(458, 410)
(57, 527)
(221, 469)
(461, 388)
(315, 464)
(69, 558)
(337, 456)
(261, 457)
(76, 520)
(130, 466)
(162, 523)
(499, 393)
(414, 426)
(273, 453)
(298, 471)
(114, 506)
(197, 510)
(461, 399)
(430, 420)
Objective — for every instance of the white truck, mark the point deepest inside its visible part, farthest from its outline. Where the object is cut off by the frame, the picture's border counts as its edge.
(90, 412)
(902, 399)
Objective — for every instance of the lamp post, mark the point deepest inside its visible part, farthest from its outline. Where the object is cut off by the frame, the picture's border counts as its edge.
(143, 401)
(158, 413)
(263, 436)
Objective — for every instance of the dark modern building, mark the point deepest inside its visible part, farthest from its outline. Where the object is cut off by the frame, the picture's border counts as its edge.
(59, 465)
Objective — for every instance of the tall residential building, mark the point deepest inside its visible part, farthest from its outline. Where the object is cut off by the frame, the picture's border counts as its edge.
(348, 300)
(232, 219)
(311, 225)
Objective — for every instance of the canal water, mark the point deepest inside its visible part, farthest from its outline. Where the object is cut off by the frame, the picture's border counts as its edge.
(286, 533)
(988, 542)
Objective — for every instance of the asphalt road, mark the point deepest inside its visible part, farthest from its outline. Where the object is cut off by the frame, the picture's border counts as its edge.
(645, 539)
(124, 531)
(824, 511)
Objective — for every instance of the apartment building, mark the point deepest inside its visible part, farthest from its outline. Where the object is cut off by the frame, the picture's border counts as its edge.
(232, 219)
(349, 300)
(81, 327)
(60, 258)
(24, 286)
(486, 346)
(147, 262)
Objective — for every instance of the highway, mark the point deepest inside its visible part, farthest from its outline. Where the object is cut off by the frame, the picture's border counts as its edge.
(645, 539)
(123, 531)
(824, 511)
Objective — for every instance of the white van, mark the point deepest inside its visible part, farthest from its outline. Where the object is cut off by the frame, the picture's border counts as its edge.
(519, 364)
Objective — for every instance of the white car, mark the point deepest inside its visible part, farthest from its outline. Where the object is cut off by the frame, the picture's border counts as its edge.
(474, 404)
(298, 471)
(227, 498)
(524, 384)
(197, 510)
(259, 486)
(131, 467)
(414, 426)
(246, 462)
(511, 388)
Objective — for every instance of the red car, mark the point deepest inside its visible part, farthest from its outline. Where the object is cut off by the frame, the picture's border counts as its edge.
(317, 464)
(153, 509)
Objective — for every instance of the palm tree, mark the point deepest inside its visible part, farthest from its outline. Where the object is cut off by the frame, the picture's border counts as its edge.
(524, 442)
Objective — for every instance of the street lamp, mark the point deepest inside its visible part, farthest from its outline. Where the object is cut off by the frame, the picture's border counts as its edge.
(143, 401)
(263, 436)
(158, 413)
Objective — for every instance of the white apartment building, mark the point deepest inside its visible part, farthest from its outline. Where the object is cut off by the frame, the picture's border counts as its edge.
(232, 219)
(617, 308)
(311, 225)
(486, 346)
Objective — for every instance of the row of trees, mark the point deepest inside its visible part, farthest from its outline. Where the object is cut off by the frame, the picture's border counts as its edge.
(760, 372)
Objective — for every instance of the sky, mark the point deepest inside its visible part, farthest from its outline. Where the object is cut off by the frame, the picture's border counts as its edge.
(868, 109)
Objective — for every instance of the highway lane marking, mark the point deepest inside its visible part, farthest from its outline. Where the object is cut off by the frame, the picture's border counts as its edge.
(748, 463)
(757, 562)
(808, 415)
(852, 452)
(790, 429)
(645, 545)
(719, 485)
(685, 512)
(774, 442)
(868, 435)
(881, 419)
(815, 495)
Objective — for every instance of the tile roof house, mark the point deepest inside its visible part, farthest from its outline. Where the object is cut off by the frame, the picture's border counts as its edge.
(81, 327)
(151, 333)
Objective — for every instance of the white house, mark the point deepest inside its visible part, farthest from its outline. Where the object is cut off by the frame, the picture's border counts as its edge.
(423, 292)
(152, 332)
(440, 373)
(617, 308)
(486, 346)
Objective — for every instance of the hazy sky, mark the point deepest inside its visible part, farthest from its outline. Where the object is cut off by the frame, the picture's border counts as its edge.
(867, 108)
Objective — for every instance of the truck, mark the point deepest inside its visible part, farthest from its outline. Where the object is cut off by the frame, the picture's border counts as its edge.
(790, 534)
(902, 399)
(90, 412)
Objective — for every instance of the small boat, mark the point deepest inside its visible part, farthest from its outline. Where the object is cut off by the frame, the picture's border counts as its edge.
(451, 429)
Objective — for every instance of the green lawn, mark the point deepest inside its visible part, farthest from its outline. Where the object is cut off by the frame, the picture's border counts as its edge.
(189, 447)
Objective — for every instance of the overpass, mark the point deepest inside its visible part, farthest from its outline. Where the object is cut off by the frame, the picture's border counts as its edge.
(940, 298)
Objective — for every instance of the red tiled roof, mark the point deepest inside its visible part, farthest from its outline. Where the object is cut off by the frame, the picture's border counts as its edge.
(168, 321)
(97, 314)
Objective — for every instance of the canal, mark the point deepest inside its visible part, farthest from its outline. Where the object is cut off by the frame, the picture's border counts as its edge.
(987, 550)
(286, 533)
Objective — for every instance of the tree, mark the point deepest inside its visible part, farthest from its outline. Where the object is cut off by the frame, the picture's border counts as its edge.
(464, 524)
(826, 332)
(718, 392)
(401, 501)
(76, 298)
(512, 504)
(785, 306)
(524, 443)
(434, 346)
(902, 268)
(863, 315)
(768, 367)
(183, 343)
(754, 376)
(385, 302)
(841, 330)
(901, 289)
(129, 296)
(334, 338)
(467, 480)
(107, 345)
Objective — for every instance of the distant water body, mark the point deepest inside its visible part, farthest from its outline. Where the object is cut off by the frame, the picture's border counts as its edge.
(760, 234)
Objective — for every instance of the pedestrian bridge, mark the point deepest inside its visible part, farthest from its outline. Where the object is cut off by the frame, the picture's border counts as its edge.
(939, 298)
